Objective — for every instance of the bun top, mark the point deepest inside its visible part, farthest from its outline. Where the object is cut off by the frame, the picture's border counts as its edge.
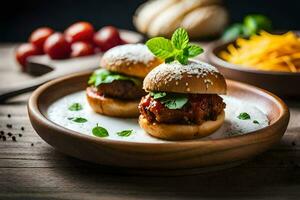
(195, 77)
(130, 59)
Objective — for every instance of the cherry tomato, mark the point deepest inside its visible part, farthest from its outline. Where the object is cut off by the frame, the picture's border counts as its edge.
(24, 51)
(82, 49)
(80, 31)
(39, 36)
(57, 47)
(107, 37)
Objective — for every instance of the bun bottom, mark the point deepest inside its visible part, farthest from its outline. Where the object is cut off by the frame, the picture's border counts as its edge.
(179, 131)
(112, 107)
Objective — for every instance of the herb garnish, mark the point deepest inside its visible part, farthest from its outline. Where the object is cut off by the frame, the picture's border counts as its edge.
(99, 131)
(243, 116)
(125, 133)
(78, 119)
(104, 76)
(171, 100)
(157, 95)
(252, 25)
(178, 48)
(255, 122)
(75, 107)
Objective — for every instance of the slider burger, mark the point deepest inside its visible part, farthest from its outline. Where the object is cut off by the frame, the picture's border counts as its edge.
(115, 89)
(183, 101)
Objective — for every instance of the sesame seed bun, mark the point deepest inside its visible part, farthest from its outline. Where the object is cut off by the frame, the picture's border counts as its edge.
(112, 107)
(180, 131)
(196, 77)
(130, 59)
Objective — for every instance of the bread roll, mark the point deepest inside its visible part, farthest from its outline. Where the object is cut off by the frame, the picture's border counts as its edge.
(148, 11)
(196, 77)
(205, 21)
(181, 131)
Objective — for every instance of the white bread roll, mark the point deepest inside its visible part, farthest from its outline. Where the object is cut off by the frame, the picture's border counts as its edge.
(205, 21)
(148, 11)
(201, 18)
(165, 23)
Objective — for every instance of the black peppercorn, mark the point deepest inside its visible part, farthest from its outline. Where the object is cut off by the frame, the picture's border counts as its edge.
(14, 138)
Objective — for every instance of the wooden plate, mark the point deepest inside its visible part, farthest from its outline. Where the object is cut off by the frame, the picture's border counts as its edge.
(165, 157)
(281, 83)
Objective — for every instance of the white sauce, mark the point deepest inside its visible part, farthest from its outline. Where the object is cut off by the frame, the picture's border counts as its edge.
(58, 113)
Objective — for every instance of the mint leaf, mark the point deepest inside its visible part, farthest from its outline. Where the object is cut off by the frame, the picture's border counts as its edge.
(255, 122)
(157, 95)
(160, 47)
(233, 32)
(78, 119)
(180, 39)
(243, 116)
(174, 101)
(194, 50)
(125, 133)
(170, 59)
(178, 48)
(104, 76)
(183, 59)
(100, 131)
(75, 107)
(254, 23)
(112, 77)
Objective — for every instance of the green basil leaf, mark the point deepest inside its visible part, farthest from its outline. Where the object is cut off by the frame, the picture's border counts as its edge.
(194, 50)
(104, 76)
(174, 101)
(180, 39)
(244, 116)
(157, 95)
(75, 107)
(160, 47)
(100, 131)
(125, 133)
(78, 119)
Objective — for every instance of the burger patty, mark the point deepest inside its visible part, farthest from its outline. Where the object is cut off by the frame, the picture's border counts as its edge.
(121, 89)
(198, 109)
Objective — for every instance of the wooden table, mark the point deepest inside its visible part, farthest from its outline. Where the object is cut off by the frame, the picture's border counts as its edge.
(31, 169)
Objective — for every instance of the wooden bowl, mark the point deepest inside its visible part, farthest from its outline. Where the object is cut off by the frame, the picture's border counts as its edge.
(280, 83)
(165, 156)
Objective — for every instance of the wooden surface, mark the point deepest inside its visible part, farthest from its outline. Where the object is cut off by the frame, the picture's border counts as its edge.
(39, 172)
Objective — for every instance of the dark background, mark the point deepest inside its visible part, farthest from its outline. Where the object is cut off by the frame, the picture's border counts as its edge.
(19, 18)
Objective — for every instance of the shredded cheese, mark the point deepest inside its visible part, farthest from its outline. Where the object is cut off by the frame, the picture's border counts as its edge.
(266, 52)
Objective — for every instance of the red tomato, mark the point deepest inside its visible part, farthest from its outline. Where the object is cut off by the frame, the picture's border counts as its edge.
(39, 36)
(81, 49)
(24, 51)
(80, 31)
(107, 37)
(57, 47)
